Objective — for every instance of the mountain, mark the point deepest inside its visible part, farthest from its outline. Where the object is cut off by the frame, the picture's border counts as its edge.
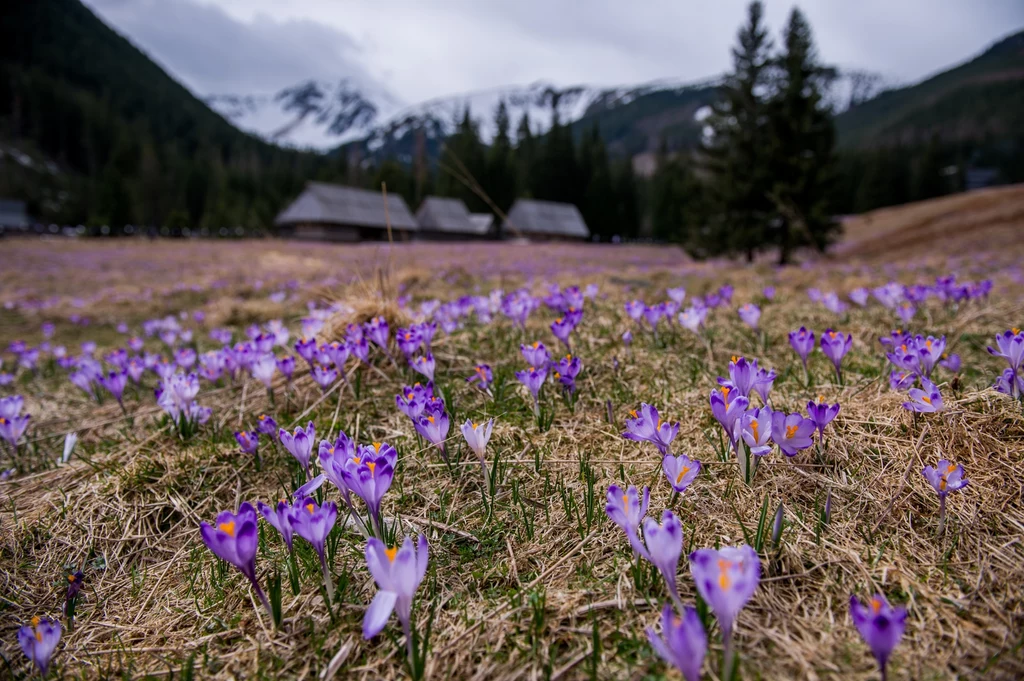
(982, 98)
(324, 115)
(119, 139)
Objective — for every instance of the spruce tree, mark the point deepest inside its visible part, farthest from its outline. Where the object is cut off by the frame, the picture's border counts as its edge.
(463, 158)
(803, 144)
(501, 184)
(736, 150)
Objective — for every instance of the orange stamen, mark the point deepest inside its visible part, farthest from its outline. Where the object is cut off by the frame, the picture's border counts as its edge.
(791, 431)
(391, 553)
(227, 528)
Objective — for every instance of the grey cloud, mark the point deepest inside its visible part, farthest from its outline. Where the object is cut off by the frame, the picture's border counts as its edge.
(213, 53)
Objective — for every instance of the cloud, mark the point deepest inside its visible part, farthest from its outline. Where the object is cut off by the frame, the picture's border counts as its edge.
(214, 53)
(419, 50)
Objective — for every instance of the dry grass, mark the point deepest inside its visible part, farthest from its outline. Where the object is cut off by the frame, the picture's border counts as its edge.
(161, 603)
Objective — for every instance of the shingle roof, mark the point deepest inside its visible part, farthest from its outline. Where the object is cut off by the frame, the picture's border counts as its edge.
(335, 204)
(438, 214)
(482, 221)
(530, 216)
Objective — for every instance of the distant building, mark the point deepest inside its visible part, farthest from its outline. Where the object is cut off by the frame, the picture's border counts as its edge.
(545, 221)
(485, 223)
(330, 212)
(13, 215)
(443, 219)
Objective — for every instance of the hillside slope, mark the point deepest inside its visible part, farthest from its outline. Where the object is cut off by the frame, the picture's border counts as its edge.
(982, 220)
(979, 99)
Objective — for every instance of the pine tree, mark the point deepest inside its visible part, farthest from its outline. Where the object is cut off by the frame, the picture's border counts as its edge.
(463, 159)
(737, 148)
(501, 182)
(598, 202)
(677, 210)
(525, 156)
(803, 144)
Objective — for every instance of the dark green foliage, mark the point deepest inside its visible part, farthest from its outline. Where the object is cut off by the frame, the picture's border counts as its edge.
(678, 207)
(802, 139)
(130, 144)
(739, 148)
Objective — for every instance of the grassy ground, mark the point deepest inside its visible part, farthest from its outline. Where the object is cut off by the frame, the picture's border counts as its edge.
(538, 584)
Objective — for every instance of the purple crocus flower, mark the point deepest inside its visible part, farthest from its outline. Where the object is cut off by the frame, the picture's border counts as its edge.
(369, 474)
(682, 643)
(647, 426)
(324, 376)
(233, 538)
(185, 357)
(768, 292)
(279, 518)
(306, 349)
(727, 410)
(249, 441)
(742, 376)
(409, 341)
(426, 331)
(627, 338)
(424, 364)
(653, 314)
(756, 430)
(266, 425)
(901, 380)
(945, 477)
(11, 429)
(1010, 346)
(360, 349)
(398, 573)
(880, 625)
(533, 378)
(750, 314)
(38, 640)
(334, 457)
(115, 382)
(951, 363)
(835, 345)
(413, 399)
(664, 545)
(433, 426)
(693, 318)
(263, 369)
(726, 579)
(313, 523)
(627, 509)
(802, 340)
(477, 436)
(482, 376)
(566, 372)
(859, 296)
(1009, 383)
(11, 407)
(680, 471)
(535, 354)
(924, 401)
(635, 309)
(822, 413)
(764, 379)
(377, 330)
(562, 328)
(300, 444)
(906, 311)
(792, 432)
(676, 295)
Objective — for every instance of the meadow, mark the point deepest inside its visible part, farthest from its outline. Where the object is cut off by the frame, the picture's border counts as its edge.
(534, 568)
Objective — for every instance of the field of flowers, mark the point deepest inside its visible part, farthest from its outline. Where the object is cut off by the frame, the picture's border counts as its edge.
(273, 460)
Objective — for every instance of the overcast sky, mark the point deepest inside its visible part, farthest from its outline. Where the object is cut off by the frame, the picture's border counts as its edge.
(418, 49)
